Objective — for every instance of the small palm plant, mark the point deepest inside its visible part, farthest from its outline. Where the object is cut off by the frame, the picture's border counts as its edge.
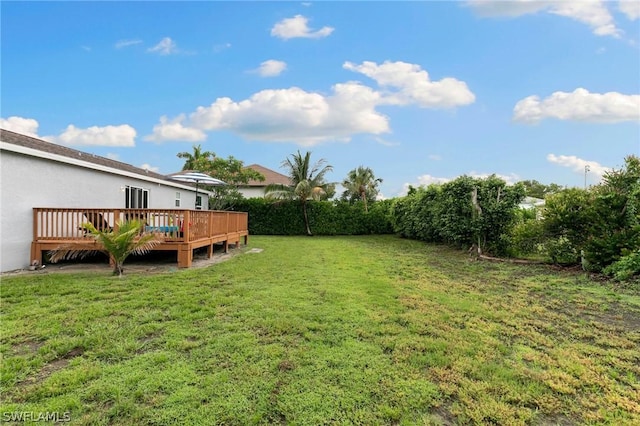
(128, 238)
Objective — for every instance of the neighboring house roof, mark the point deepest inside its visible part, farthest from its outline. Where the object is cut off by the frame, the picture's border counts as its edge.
(270, 177)
(62, 153)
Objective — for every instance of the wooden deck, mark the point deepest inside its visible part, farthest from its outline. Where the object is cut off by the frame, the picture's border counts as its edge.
(181, 230)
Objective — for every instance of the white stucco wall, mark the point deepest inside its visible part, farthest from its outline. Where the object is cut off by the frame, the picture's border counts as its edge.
(27, 182)
(252, 192)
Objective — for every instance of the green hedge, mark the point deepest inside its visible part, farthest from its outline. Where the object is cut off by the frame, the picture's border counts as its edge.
(445, 214)
(325, 217)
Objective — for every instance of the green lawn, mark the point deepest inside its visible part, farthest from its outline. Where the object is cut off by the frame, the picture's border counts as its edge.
(345, 330)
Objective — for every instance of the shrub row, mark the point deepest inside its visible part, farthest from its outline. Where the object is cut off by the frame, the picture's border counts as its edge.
(446, 213)
(325, 217)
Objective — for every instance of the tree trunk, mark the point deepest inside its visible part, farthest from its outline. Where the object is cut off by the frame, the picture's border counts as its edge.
(306, 218)
(364, 198)
(118, 270)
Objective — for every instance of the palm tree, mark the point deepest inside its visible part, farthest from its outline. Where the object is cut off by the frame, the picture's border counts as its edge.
(118, 244)
(194, 161)
(361, 183)
(307, 182)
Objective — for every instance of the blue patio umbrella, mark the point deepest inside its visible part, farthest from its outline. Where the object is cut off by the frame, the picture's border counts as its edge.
(197, 178)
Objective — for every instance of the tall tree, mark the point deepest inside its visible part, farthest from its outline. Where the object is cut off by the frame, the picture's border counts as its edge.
(193, 161)
(308, 182)
(540, 190)
(361, 184)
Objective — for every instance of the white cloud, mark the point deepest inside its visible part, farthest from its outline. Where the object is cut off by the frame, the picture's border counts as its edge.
(25, 126)
(593, 13)
(123, 135)
(427, 179)
(307, 118)
(510, 179)
(113, 156)
(220, 47)
(166, 46)
(149, 167)
(631, 8)
(580, 105)
(297, 27)
(174, 130)
(435, 157)
(271, 68)
(578, 164)
(126, 43)
(294, 115)
(86, 48)
(385, 142)
(414, 85)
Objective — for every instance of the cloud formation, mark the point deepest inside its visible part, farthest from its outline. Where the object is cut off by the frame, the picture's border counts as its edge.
(593, 13)
(166, 46)
(578, 164)
(174, 130)
(413, 85)
(631, 8)
(25, 126)
(271, 68)
(295, 115)
(307, 118)
(147, 166)
(122, 135)
(579, 105)
(297, 27)
(126, 43)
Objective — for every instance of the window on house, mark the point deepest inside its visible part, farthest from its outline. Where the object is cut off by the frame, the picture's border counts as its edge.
(199, 202)
(136, 198)
(177, 199)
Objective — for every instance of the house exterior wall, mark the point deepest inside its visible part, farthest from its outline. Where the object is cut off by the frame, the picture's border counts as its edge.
(252, 191)
(27, 182)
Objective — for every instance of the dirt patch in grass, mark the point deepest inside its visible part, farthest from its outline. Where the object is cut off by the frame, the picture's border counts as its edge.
(153, 263)
(27, 347)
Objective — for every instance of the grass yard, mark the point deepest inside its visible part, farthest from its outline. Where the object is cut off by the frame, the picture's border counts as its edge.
(345, 330)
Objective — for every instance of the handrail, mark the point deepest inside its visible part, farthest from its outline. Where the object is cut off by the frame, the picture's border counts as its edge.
(56, 223)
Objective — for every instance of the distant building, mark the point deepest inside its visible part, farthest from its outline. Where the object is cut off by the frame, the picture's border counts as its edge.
(255, 189)
(531, 203)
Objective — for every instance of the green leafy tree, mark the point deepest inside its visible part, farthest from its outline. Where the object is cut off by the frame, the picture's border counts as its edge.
(361, 184)
(308, 182)
(128, 238)
(465, 211)
(536, 189)
(230, 170)
(195, 160)
(615, 227)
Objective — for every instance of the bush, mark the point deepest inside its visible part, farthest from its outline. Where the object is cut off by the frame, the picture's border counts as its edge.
(526, 238)
(627, 267)
(561, 251)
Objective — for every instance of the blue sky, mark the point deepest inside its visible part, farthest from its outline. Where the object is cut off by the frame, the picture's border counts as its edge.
(421, 92)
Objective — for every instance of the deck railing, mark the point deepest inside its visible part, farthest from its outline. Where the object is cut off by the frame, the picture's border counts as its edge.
(182, 229)
(177, 225)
